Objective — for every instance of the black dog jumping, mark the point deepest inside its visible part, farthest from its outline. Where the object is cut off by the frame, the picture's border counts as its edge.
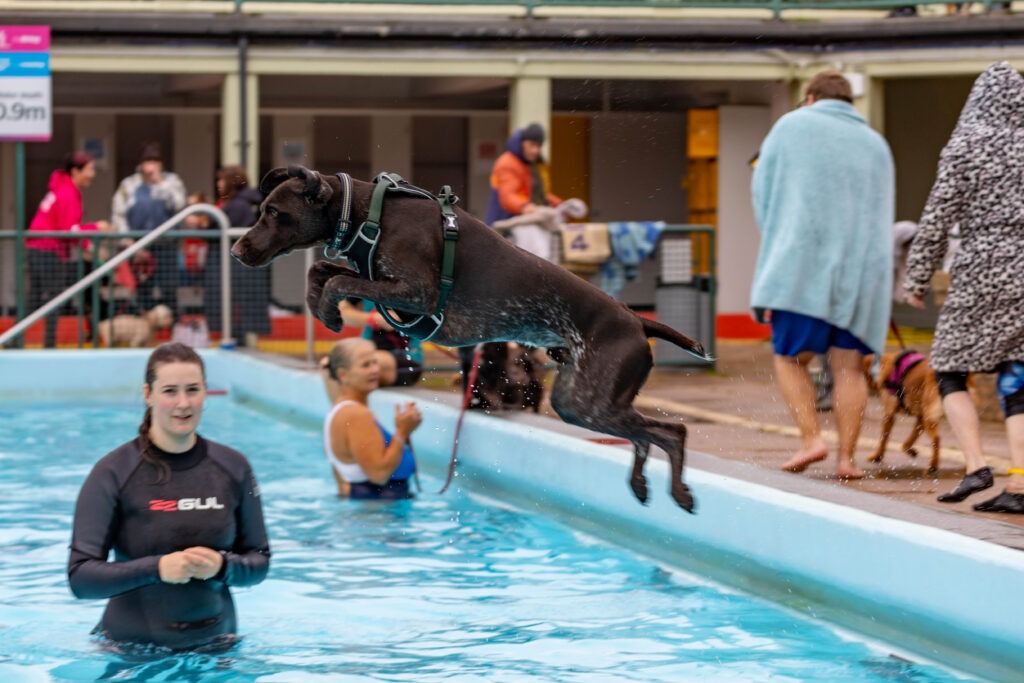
(498, 292)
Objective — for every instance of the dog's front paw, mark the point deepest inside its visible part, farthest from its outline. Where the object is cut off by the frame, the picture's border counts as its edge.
(912, 452)
(877, 457)
(682, 496)
(328, 314)
(639, 486)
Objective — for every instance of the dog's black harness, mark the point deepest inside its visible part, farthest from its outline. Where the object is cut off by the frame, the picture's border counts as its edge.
(359, 246)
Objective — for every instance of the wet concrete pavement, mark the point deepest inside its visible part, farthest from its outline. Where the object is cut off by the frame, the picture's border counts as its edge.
(739, 426)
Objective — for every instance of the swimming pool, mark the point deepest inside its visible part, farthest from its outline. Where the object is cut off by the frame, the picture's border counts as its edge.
(452, 586)
(455, 586)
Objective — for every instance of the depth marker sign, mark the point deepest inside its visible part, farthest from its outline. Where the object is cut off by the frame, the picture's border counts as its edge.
(26, 107)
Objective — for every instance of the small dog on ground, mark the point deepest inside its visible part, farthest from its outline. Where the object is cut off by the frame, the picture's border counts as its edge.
(907, 385)
(135, 331)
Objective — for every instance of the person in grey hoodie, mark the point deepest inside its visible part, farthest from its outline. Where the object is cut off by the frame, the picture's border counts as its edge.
(142, 202)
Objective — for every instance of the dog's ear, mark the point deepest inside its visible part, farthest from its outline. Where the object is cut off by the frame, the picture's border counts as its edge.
(315, 187)
(273, 178)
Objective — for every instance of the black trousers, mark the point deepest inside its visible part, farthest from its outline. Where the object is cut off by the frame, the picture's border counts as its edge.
(47, 277)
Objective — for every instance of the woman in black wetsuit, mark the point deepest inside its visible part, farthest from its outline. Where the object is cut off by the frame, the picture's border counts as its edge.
(182, 515)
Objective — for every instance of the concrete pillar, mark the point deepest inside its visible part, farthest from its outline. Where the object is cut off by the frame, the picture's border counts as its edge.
(872, 104)
(391, 144)
(294, 143)
(194, 154)
(530, 101)
(231, 128)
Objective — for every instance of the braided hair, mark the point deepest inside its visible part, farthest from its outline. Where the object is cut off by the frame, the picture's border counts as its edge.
(171, 352)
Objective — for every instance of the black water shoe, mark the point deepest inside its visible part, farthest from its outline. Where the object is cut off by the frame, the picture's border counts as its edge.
(1004, 502)
(978, 480)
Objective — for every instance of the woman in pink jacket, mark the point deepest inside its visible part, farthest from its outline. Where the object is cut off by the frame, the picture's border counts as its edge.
(48, 257)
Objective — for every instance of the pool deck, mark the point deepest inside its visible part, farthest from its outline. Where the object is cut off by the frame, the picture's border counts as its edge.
(740, 427)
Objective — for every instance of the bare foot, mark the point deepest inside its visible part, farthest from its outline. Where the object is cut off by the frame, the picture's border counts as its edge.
(804, 459)
(850, 472)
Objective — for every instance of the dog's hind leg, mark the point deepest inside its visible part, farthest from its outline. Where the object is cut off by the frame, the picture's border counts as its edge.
(931, 426)
(908, 445)
(888, 419)
(637, 478)
(596, 391)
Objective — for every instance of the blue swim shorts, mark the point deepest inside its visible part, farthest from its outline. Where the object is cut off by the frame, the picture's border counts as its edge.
(794, 333)
(1009, 383)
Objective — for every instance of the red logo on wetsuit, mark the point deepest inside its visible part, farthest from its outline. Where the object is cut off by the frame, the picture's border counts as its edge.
(184, 504)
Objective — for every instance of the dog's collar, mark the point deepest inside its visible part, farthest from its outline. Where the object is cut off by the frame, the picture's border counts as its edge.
(334, 250)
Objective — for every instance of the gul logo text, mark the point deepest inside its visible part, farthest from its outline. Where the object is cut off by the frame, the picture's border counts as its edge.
(185, 504)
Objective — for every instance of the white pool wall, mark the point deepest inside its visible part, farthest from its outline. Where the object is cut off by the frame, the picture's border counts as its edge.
(951, 598)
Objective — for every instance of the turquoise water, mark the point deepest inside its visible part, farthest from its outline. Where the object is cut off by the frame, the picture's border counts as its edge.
(453, 587)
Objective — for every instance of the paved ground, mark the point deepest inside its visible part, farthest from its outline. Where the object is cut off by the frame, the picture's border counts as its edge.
(740, 426)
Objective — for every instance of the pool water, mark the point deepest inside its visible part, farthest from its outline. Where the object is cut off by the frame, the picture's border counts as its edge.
(453, 587)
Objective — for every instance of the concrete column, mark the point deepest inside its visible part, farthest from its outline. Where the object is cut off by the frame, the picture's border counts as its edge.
(194, 153)
(391, 144)
(872, 104)
(294, 143)
(230, 125)
(530, 101)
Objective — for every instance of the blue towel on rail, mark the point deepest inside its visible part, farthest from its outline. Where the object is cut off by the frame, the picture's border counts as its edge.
(631, 242)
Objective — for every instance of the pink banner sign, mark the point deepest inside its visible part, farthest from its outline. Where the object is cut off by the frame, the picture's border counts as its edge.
(24, 38)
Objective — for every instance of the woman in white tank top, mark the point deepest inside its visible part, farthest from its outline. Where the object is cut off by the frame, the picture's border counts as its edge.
(366, 461)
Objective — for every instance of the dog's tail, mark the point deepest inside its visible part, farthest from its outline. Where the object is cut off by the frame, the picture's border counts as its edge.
(652, 328)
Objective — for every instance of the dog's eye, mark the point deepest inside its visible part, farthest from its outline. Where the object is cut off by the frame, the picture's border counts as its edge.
(272, 211)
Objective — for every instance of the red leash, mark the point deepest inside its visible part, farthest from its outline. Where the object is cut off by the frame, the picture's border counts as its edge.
(468, 394)
(896, 332)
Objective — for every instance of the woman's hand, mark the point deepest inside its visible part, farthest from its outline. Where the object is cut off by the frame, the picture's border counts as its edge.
(915, 301)
(407, 419)
(192, 563)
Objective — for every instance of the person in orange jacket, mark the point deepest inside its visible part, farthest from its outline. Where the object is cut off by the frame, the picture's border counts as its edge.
(518, 185)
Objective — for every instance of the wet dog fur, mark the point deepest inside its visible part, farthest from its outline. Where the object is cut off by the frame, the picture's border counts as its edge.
(500, 293)
(921, 400)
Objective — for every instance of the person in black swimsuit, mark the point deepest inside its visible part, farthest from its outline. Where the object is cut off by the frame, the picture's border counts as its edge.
(182, 515)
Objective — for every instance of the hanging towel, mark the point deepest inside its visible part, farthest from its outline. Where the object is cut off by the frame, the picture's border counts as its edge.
(632, 242)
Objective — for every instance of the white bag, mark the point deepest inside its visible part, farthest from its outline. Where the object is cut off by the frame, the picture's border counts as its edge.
(192, 330)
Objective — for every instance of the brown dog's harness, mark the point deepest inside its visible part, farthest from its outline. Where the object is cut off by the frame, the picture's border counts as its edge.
(905, 362)
(359, 246)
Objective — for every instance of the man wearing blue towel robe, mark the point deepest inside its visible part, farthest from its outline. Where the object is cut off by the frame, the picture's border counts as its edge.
(823, 192)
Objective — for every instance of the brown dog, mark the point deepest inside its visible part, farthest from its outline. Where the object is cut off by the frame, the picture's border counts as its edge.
(499, 292)
(907, 385)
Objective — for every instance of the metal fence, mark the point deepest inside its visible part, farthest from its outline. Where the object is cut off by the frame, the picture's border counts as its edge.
(139, 289)
(98, 289)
